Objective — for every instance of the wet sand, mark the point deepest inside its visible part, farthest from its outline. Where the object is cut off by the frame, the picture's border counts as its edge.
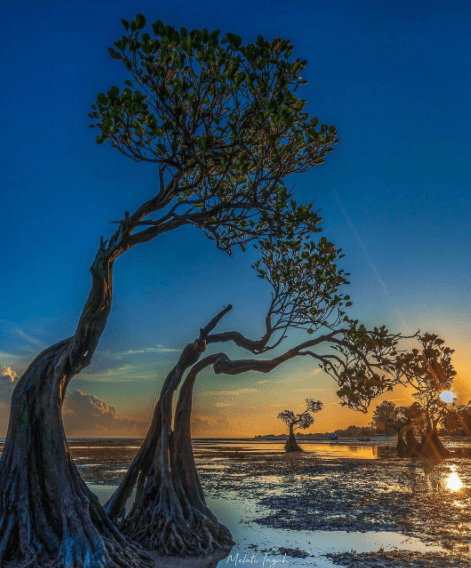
(342, 504)
(380, 511)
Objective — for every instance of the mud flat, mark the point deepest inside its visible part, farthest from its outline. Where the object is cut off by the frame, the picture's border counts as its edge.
(382, 512)
(368, 509)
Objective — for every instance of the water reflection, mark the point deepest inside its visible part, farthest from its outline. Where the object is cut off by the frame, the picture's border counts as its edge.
(437, 478)
(325, 450)
(453, 482)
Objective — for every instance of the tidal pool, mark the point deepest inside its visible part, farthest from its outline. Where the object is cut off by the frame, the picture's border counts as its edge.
(261, 545)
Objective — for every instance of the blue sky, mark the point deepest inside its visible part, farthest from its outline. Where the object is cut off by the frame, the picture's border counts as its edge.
(394, 77)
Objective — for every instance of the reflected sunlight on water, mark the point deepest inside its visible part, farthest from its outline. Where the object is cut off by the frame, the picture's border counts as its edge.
(328, 450)
(453, 482)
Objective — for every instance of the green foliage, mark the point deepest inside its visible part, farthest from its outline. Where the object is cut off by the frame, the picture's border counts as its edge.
(304, 420)
(457, 421)
(222, 118)
(306, 282)
(430, 372)
(364, 368)
(387, 416)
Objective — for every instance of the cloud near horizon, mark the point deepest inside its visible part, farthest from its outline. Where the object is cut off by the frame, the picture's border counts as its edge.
(8, 378)
(87, 416)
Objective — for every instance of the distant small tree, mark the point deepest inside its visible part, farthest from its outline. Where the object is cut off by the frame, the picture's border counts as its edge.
(299, 422)
(354, 431)
(384, 418)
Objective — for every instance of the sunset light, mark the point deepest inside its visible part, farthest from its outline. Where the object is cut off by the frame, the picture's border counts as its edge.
(447, 396)
(453, 482)
(235, 262)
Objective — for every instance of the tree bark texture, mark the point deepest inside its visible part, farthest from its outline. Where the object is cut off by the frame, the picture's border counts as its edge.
(401, 446)
(48, 516)
(432, 447)
(413, 445)
(169, 513)
(291, 443)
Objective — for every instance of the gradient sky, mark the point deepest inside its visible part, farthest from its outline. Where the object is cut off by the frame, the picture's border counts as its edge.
(394, 77)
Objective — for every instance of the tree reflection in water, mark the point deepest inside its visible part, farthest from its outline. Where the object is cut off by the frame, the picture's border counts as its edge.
(431, 478)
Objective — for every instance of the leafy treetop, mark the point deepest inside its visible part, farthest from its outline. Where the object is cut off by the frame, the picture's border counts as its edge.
(389, 416)
(223, 123)
(430, 372)
(305, 419)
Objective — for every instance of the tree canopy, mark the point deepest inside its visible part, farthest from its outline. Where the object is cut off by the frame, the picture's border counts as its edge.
(222, 122)
(303, 420)
(430, 372)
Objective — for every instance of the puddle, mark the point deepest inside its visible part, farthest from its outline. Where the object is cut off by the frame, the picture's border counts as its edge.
(261, 544)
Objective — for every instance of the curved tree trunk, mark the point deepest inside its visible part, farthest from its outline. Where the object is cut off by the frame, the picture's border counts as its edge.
(432, 447)
(48, 516)
(169, 512)
(413, 445)
(410, 448)
(401, 446)
(291, 443)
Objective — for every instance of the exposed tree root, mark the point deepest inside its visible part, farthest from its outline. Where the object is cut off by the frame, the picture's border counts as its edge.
(169, 513)
(292, 444)
(48, 516)
(432, 447)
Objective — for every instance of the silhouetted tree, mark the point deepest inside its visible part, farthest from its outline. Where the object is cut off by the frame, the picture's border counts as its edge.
(299, 422)
(429, 371)
(400, 419)
(169, 511)
(458, 420)
(384, 418)
(224, 128)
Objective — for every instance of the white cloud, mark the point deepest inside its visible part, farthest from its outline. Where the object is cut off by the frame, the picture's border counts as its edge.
(117, 371)
(156, 349)
(28, 338)
(8, 380)
(159, 348)
(4, 355)
(15, 329)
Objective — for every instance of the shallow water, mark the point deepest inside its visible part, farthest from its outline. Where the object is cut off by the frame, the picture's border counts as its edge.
(241, 475)
(326, 449)
(260, 544)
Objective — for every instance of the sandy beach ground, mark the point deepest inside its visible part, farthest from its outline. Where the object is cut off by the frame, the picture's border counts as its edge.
(367, 508)
(343, 504)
